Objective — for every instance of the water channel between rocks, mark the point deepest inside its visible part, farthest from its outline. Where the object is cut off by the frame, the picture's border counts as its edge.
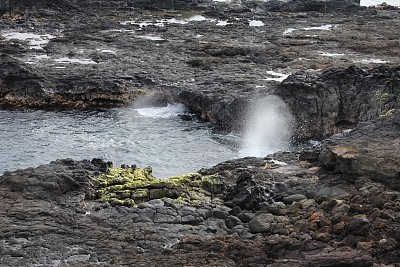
(156, 137)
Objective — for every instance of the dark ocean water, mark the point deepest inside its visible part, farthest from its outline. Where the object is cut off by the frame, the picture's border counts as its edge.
(156, 137)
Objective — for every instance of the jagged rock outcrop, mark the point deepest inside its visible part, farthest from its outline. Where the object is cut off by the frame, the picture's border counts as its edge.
(337, 99)
(371, 149)
(22, 86)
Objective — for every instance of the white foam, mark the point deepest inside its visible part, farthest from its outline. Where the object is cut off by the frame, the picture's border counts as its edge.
(256, 23)
(222, 23)
(151, 37)
(108, 51)
(36, 41)
(377, 2)
(288, 31)
(142, 24)
(176, 21)
(40, 57)
(67, 60)
(151, 23)
(171, 110)
(326, 27)
(162, 22)
(274, 161)
(119, 30)
(276, 76)
(373, 60)
(197, 18)
(326, 54)
(127, 22)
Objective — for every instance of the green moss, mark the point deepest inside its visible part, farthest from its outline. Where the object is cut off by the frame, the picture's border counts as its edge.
(131, 185)
(213, 184)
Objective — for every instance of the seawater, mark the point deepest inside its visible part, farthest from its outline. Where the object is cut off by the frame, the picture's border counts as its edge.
(158, 137)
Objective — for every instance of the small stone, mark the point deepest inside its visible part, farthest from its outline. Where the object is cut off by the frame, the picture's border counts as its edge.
(290, 209)
(204, 213)
(323, 237)
(307, 204)
(246, 217)
(338, 228)
(186, 210)
(145, 205)
(357, 225)
(364, 245)
(385, 215)
(166, 211)
(232, 221)
(305, 237)
(328, 205)
(190, 219)
(261, 223)
(17, 253)
(163, 218)
(220, 214)
(146, 215)
(282, 232)
(338, 217)
(156, 202)
(293, 198)
(235, 211)
(341, 207)
(240, 229)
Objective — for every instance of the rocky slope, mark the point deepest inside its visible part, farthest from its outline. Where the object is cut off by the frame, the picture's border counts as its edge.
(333, 204)
(244, 212)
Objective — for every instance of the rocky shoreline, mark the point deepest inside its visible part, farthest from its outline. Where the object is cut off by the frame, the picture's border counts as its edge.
(334, 63)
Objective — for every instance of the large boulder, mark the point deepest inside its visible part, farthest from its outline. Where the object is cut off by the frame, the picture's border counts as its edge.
(52, 180)
(372, 149)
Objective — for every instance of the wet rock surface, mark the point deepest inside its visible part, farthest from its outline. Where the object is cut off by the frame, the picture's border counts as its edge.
(332, 204)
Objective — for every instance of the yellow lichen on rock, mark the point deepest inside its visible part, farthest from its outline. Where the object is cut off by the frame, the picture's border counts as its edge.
(131, 185)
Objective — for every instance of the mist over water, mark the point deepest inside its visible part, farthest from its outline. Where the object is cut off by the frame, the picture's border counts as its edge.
(268, 127)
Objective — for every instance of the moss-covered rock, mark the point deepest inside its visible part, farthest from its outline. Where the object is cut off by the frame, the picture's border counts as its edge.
(129, 186)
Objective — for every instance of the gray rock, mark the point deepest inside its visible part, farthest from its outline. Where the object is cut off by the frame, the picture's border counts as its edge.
(261, 223)
(232, 221)
(164, 218)
(146, 214)
(191, 219)
(167, 211)
(246, 216)
(293, 198)
(186, 210)
(204, 212)
(220, 214)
